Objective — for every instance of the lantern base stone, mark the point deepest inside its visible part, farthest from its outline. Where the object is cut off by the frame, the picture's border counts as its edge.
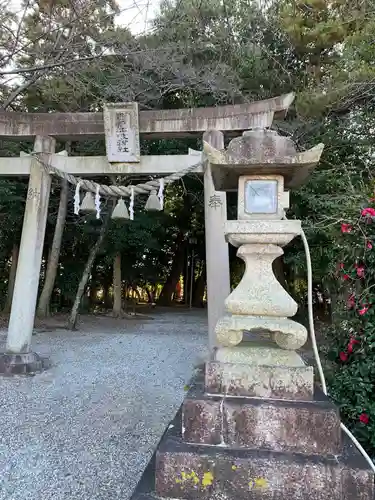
(276, 382)
(259, 354)
(277, 425)
(194, 472)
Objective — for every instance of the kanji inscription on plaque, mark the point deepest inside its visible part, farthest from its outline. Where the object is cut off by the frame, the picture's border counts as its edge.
(121, 126)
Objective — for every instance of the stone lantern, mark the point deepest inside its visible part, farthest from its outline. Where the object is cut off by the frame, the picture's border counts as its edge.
(252, 426)
(262, 166)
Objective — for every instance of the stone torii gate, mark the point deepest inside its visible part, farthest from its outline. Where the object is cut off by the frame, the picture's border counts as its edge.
(119, 121)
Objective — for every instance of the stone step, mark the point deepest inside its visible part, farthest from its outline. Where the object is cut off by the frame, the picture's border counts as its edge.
(145, 489)
(261, 381)
(277, 425)
(192, 472)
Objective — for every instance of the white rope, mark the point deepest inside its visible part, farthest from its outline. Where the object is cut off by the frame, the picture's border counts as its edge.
(97, 202)
(161, 193)
(116, 191)
(77, 198)
(131, 205)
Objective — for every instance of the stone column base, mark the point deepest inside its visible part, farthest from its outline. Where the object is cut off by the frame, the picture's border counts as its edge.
(27, 363)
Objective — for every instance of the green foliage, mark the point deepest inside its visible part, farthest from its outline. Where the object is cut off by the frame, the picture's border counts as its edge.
(333, 42)
(353, 348)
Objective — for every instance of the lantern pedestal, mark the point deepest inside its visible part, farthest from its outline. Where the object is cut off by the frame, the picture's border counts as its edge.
(260, 304)
(250, 448)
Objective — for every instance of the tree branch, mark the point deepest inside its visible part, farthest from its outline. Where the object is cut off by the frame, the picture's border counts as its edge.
(33, 69)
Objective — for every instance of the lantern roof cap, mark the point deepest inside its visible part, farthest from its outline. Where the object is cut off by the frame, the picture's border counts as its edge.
(261, 152)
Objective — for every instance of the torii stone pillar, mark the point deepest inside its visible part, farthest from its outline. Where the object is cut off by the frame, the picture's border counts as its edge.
(18, 358)
(217, 257)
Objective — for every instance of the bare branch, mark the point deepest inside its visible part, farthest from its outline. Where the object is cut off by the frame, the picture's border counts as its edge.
(19, 90)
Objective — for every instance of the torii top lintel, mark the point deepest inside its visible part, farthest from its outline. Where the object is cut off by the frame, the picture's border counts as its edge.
(153, 124)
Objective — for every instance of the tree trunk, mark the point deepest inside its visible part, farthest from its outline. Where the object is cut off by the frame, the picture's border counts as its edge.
(54, 255)
(169, 287)
(138, 295)
(93, 288)
(186, 278)
(85, 276)
(199, 288)
(126, 291)
(151, 293)
(117, 296)
(107, 301)
(12, 278)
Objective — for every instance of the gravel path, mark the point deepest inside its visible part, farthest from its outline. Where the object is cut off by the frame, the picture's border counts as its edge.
(87, 427)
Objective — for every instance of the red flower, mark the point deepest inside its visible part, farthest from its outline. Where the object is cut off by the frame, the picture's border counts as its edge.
(363, 311)
(345, 277)
(351, 344)
(343, 356)
(351, 301)
(369, 245)
(364, 418)
(368, 212)
(346, 228)
(360, 271)
(341, 265)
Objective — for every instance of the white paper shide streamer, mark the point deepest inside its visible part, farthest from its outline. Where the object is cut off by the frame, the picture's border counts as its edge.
(77, 200)
(161, 194)
(131, 205)
(97, 201)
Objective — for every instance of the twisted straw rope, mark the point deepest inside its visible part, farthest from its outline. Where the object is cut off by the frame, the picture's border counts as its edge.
(115, 191)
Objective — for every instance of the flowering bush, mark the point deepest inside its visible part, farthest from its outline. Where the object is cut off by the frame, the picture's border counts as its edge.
(353, 383)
